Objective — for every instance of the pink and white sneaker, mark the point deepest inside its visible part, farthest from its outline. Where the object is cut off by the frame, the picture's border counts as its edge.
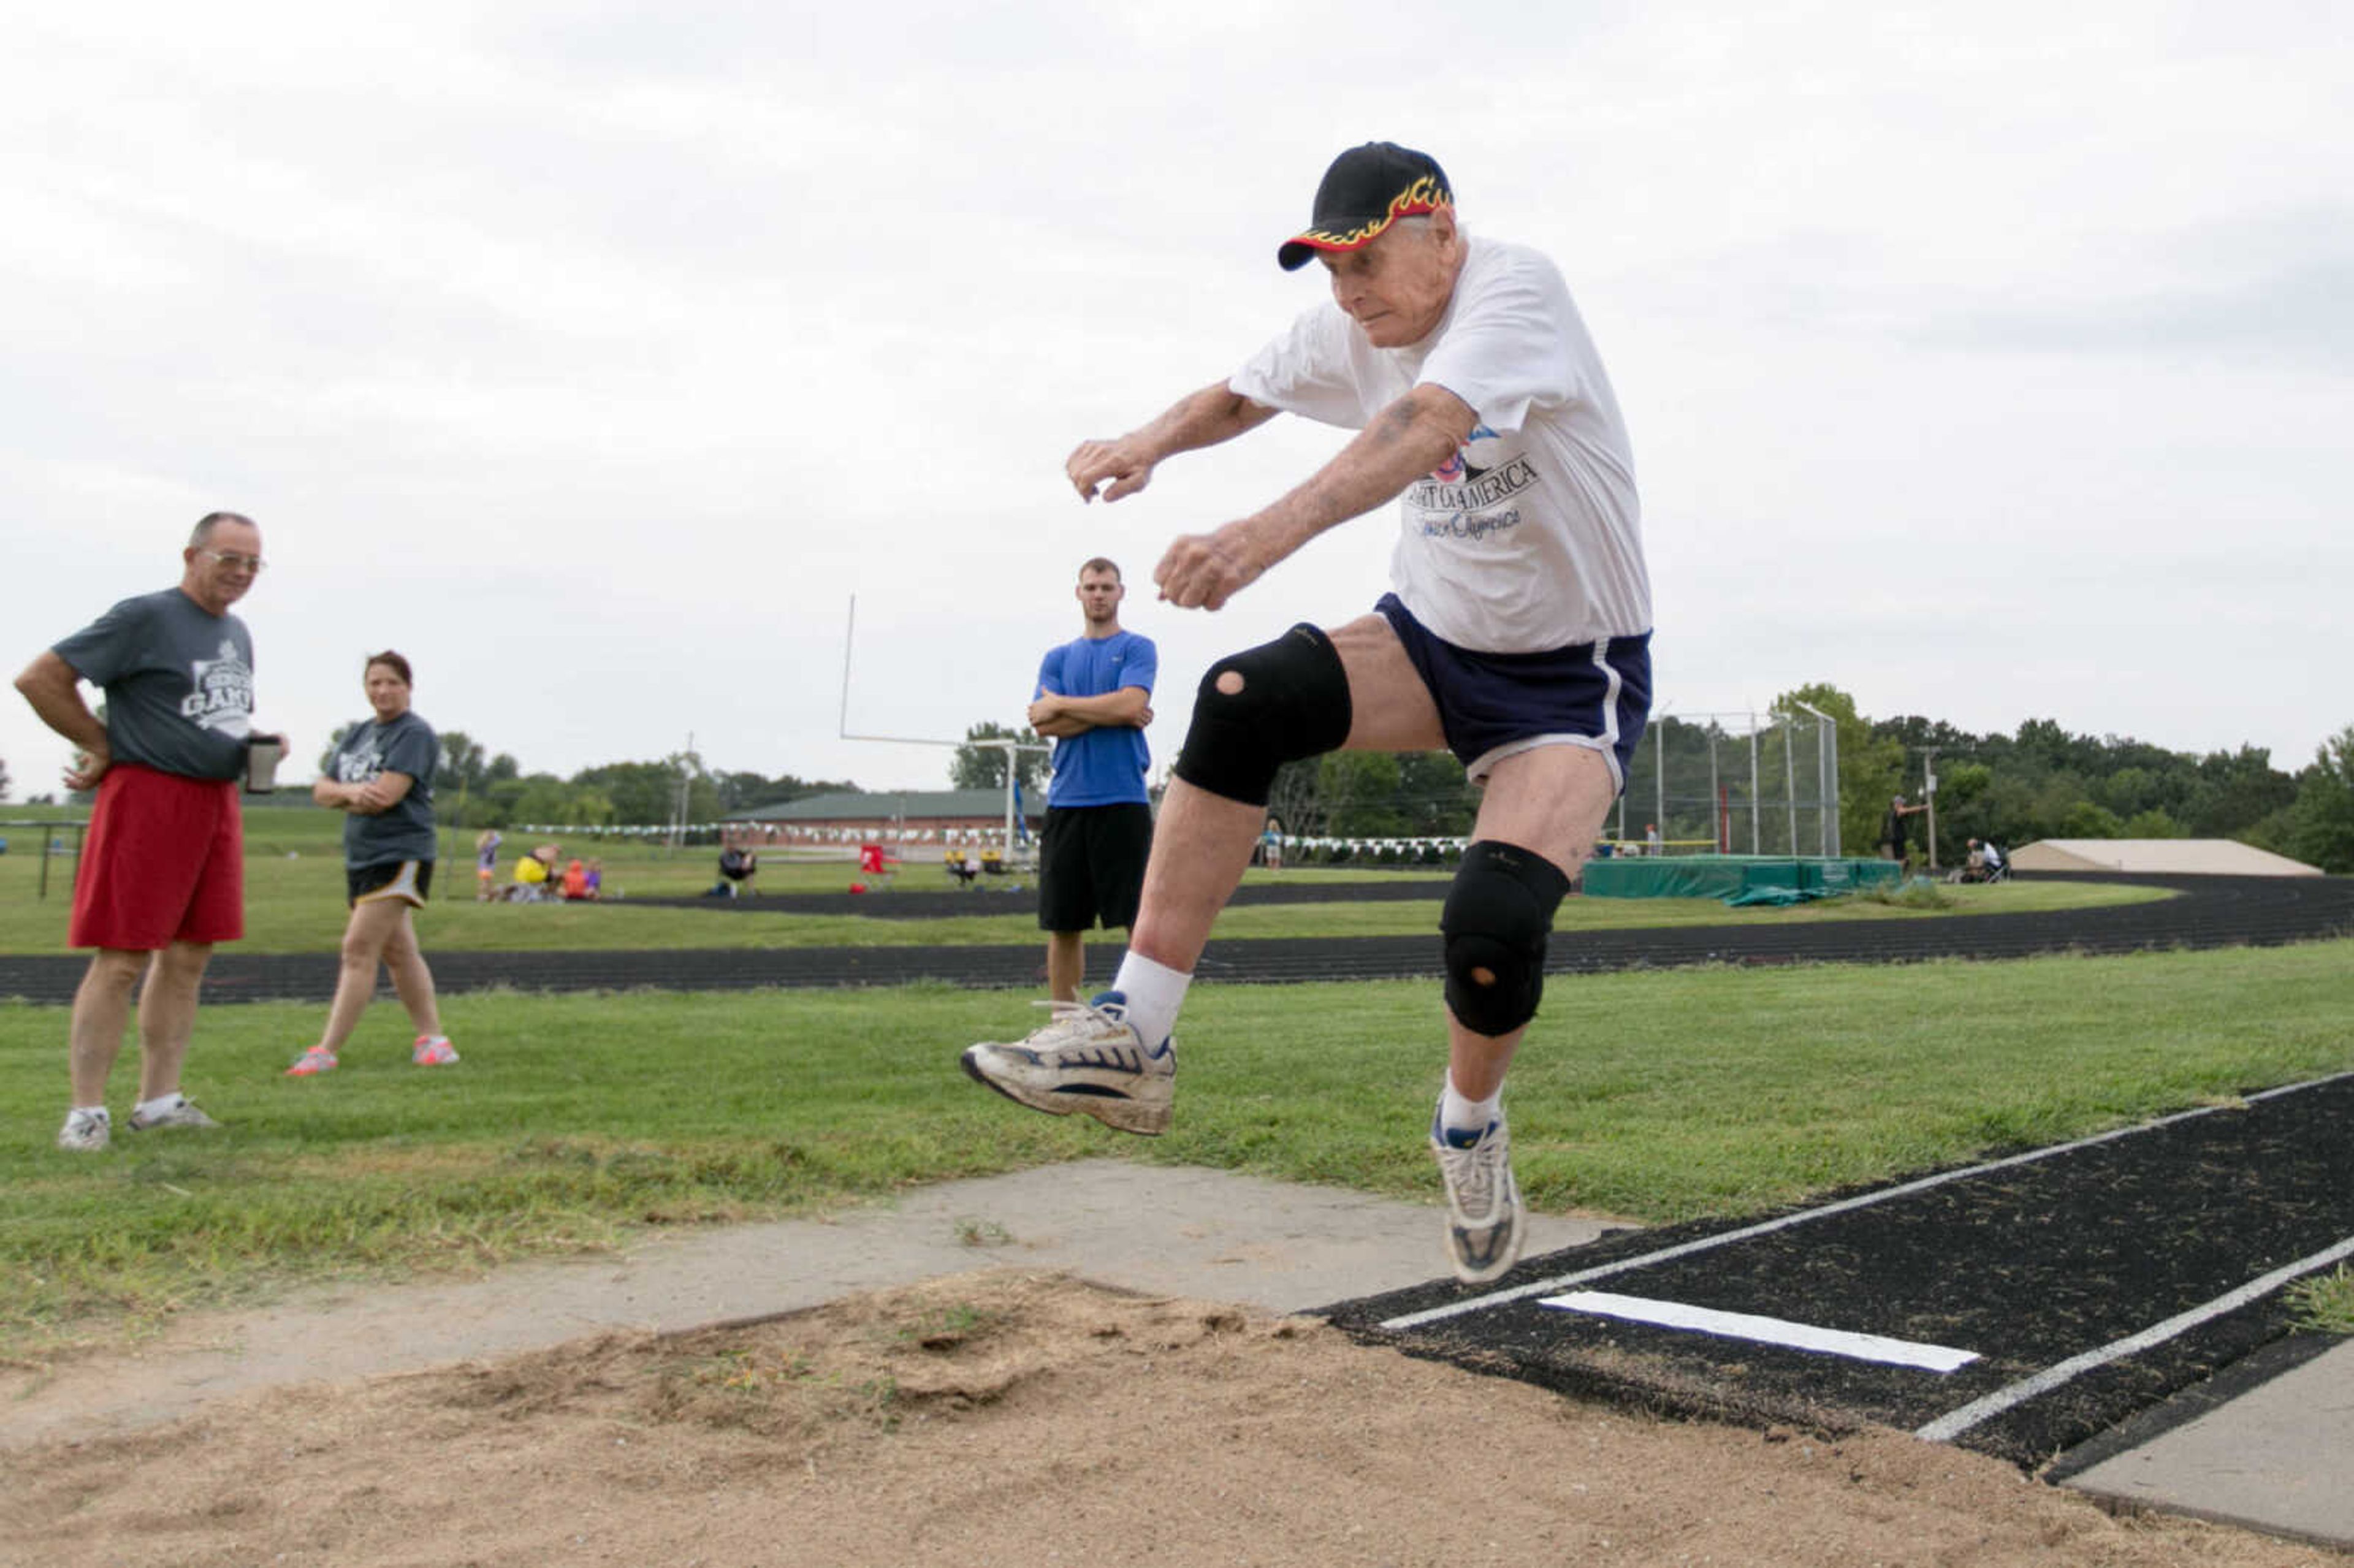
(434, 1051)
(318, 1059)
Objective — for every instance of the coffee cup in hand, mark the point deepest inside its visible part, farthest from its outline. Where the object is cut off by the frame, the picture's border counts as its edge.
(262, 753)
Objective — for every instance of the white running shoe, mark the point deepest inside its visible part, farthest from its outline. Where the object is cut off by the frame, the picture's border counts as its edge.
(179, 1113)
(1483, 1202)
(86, 1131)
(1088, 1059)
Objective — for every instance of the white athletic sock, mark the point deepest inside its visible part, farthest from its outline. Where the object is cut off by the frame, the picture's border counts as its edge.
(159, 1104)
(1154, 992)
(97, 1111)
(1459, 1115)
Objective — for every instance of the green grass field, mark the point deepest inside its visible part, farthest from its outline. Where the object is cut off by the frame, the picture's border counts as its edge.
(576, 1120)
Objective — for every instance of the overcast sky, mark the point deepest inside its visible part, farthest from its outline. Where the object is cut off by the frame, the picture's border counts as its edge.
(1986, 362)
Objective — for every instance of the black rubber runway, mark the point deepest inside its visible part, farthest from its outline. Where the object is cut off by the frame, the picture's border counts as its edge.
(2088, 1282)
(2208, 912)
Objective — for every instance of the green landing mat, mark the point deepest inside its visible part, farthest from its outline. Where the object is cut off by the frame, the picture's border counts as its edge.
(1735, 878)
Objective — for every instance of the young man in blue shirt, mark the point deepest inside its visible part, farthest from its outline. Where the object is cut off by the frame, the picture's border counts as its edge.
(1094, 697)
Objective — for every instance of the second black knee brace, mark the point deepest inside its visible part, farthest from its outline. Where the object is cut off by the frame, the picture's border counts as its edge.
(1495, 921)
(1291, 700)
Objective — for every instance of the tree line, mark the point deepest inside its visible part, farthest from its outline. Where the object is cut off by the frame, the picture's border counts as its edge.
(2043, 782)
(2040, 782)
(475, 789)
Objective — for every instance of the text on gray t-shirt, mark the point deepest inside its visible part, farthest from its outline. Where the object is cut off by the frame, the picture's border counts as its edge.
(407, 745)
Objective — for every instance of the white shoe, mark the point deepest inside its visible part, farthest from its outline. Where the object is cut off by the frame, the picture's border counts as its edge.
(86, 1131)
(1090, 1059)
(1483, 1202)
(179, 1113)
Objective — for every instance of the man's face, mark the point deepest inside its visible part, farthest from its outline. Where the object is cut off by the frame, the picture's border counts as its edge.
(1099, 595)
(223, 568)
(1396, 288)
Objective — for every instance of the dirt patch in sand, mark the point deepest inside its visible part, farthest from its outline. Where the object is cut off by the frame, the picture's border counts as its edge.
(1009, 1417)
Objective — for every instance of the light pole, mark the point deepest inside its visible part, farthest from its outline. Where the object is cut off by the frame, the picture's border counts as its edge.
(1929, 792)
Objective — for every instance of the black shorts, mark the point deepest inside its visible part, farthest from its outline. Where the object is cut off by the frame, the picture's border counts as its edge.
(410, 880)
(1091, 865)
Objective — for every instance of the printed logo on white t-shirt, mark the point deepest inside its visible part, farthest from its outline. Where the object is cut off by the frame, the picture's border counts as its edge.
(1466, 497)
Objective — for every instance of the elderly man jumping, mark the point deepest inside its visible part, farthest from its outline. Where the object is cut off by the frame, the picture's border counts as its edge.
(1517, 636)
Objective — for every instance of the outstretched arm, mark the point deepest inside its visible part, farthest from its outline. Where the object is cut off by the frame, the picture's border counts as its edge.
(1199, 420)
(1405, 440)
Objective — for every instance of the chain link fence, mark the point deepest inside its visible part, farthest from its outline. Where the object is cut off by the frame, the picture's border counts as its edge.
(1732, 783)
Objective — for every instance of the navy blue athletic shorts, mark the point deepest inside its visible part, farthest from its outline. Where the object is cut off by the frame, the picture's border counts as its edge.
(1493, 705)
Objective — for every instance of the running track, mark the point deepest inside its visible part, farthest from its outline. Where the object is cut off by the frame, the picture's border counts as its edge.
(2206, 912)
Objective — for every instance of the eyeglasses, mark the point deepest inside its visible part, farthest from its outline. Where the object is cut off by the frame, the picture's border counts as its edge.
(237, 563)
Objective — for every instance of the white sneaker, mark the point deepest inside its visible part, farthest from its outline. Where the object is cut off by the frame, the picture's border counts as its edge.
(1090, 1059)
(86, 1131)
(1483, 1202)
(179, 1113)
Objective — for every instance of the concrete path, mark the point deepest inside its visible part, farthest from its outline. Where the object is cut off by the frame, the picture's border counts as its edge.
(2278, 1457)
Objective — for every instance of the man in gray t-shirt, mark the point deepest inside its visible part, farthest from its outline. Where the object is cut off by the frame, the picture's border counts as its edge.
(162, 873)
(178, 681)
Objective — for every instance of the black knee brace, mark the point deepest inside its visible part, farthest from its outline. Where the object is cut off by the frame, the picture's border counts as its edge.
(1495, 922)
(1293, 702)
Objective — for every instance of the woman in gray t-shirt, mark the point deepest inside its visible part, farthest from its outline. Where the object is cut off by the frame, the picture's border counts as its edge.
(381, 777)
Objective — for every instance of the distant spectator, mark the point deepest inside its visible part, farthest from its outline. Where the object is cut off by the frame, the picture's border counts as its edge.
(575, 881)
(1984, 862)
(1651, 845)
(487, 865)
(737, 868)
(596, 878)
(1894, 829)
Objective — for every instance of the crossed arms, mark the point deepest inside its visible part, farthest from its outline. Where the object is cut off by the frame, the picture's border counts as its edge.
(1058, 717)
(373, 798)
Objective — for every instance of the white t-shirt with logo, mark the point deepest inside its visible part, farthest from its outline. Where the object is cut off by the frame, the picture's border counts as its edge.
(1530, 538)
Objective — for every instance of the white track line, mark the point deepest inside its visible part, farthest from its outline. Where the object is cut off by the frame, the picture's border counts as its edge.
(1765, 1331)
(1861, 1200)
(1947, 1428)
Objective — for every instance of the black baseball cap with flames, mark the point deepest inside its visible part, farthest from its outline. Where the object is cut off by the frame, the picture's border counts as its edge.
(1367, 189)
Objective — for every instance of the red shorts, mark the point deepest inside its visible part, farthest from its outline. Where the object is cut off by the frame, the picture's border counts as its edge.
(165, 862)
